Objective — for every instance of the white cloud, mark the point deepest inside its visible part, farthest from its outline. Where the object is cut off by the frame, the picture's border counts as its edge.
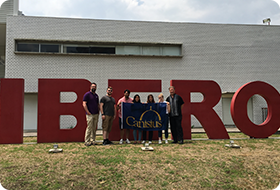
(45, 8)
(207, 11)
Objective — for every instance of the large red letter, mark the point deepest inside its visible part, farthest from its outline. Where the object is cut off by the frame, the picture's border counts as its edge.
(239, 109)
(203, 111)
(134, 86)
(11, 111)
(50, 109)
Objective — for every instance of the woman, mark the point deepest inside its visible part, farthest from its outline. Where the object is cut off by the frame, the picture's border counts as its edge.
(165, 124)
(136, 99)
(150, 99)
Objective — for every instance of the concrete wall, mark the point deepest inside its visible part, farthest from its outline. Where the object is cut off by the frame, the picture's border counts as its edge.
(8, 7)
(30, 111)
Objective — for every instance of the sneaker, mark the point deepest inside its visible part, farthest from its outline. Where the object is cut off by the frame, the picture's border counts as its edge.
(105, 142)
(159, 142)
(166, 141)
(127, 141)
(150, 142)
(121, 141)
(109, 142)
(143, 142)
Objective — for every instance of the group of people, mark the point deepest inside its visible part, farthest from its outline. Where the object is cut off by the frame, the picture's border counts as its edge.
(108, 109)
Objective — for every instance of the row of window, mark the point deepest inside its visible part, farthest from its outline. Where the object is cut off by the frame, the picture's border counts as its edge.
(149, 50)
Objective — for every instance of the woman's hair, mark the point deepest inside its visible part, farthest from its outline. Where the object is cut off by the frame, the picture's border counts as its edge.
(134, 99)
(161, 95)
(150, 95)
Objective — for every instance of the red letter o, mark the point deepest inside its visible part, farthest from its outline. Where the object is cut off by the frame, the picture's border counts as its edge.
(239, 109)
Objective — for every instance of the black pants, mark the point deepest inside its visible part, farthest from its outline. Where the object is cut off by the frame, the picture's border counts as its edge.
(150, 135)
(176, 128)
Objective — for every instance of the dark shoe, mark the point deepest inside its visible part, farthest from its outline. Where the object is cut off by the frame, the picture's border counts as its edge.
(175, 142)
(181, 142)
(109, 142)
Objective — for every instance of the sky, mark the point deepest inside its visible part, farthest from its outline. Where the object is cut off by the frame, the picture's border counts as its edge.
(197, 11)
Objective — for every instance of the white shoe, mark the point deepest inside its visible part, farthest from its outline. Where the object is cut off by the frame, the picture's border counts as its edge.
(121, 141)
(127, 141)
(159, 142)
(150, 142)
(166, 141)
(143, 142)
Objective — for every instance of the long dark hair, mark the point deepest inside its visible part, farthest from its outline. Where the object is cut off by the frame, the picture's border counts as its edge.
(150, 95)
(134, 99)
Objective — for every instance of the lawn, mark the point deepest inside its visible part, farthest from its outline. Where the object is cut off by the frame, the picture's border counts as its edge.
(197, 164)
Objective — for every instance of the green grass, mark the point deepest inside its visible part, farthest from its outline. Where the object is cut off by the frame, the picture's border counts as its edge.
(197, 164)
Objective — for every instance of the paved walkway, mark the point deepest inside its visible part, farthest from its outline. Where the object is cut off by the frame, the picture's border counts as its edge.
(33, 133)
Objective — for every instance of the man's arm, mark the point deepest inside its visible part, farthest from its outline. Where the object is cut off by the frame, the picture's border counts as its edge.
(86, 108)
(98, 105)
(118, 105)
(181, 102)
(101, 110)
(168, 107)
(115, 111)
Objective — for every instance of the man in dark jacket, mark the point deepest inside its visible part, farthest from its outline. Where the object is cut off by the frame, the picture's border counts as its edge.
(175, 115)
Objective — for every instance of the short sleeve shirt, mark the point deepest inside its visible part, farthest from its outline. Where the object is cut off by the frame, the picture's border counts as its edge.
(108, 105)
(92, 101)
(129, 100)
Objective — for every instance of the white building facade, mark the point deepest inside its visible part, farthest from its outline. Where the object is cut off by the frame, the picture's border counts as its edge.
(9, 7)
(98, 50)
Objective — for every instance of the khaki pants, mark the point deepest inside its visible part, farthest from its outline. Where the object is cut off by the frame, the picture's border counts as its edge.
(91, 127)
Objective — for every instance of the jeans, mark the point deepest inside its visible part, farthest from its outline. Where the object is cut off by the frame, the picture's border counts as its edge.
(139, 135)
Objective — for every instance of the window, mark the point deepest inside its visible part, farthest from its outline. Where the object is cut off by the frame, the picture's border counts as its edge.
(99, 48)
(264, 114)
(53, 48)
(103, 50)
(128, 50)
(37, 47)
(28, 47)
(171, 50)
(150, 50)
(76, 49)
(88, 49)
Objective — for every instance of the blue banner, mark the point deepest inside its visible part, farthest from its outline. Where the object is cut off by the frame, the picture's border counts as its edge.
(148, 117)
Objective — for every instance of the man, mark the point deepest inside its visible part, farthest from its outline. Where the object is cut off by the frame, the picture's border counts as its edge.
(125, 99)
(91, 106)
(175, 115)
(108, 111)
